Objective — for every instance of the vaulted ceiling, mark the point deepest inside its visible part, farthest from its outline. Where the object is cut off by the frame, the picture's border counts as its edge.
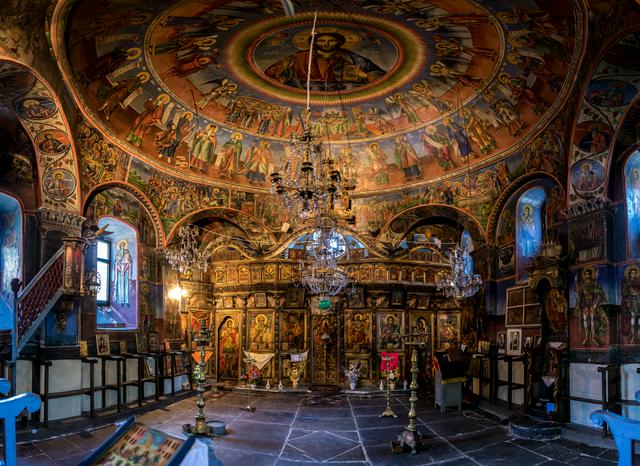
(419, 91)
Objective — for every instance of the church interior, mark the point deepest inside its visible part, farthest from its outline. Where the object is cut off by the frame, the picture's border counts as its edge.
(285, 232)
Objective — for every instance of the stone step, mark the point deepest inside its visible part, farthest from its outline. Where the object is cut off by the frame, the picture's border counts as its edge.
(523, 425)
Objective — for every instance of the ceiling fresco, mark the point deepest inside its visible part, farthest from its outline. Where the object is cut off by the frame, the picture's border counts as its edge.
(211, 91)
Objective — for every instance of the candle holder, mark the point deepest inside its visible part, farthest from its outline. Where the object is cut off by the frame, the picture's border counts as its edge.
(410, 438)
(388, 411)
(200, 428)
(249, 407)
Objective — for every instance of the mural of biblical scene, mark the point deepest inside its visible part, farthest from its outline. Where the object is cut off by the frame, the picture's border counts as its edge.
(261, 332)
(293, 331)
(589, 326)
(173, 198)
(422, 330)
(448, 329)
(593, 137)
(116, 202)
(100, 161)
(632, 184)
(611, 90)
(357, 332)
(229, 343)
(11, 254)
(529, 225)
(390, 326)
(228, 82)
(587, 178)
(117, 256)
(36, 107)
(324, 361)
(629, 321)
(18, 160)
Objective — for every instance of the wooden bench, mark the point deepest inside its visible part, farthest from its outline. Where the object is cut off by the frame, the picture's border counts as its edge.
(625, 431)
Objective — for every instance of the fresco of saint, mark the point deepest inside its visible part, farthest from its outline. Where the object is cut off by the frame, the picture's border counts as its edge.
(332, 66)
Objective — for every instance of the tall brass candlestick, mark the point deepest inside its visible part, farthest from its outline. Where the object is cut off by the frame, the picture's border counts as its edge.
(410, 437)
(387, 410)
(200, 429)
(249, 406)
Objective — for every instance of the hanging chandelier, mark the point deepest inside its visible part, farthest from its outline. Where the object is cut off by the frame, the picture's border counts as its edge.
(315, 182)
(186, 254)
(460, 282)
(319, 272)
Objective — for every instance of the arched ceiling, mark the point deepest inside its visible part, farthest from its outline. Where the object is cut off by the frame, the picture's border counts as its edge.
(416, 86)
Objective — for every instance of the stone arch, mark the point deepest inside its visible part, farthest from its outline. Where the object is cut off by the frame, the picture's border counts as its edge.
(47, 126)
(507, 194)
(608, 95)
(140, 196)
(250, 224)
(396, 228)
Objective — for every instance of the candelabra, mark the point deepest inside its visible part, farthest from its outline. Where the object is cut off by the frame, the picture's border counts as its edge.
(388, 411)
(186, 255)
(200, 428)
(460, 282)
(410, 437)
(249, 406)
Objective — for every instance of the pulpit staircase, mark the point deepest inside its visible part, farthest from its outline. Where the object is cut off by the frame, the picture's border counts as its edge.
(33, 303)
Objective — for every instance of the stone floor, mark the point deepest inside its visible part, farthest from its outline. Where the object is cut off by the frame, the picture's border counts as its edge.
(289, 430)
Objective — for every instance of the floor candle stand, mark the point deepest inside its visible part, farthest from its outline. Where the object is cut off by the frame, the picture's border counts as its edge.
(388, 411)
(200, 428)
(249, 407)
(410, 438)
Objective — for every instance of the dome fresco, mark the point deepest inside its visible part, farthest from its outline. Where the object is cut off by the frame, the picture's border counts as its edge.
(419, 91)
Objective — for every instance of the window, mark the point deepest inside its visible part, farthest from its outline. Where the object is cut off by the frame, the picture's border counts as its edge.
(529, 229)
(632, 182)
(117, 264)
(104, 270)
(10, 254)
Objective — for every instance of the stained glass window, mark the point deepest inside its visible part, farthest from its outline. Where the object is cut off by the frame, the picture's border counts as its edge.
(632, 182)
(529, 229)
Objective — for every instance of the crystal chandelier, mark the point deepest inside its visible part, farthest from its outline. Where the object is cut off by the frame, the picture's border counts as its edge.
(185, 254)
(459, 282)
(319, 272)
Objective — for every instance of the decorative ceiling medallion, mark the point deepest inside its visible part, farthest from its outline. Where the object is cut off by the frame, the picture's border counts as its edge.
(360, 57)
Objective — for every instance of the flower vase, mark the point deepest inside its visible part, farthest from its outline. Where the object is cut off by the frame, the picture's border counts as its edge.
(352, 385)
(252, 386)
(392, 385)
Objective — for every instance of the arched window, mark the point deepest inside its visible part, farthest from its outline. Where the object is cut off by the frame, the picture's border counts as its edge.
(10, 254)
(117, 264)
(529, 229)
(632, 184)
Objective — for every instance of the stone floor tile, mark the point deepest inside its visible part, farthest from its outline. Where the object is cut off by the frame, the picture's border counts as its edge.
(507, 454)
(481, 439)
(321, 446)
(58, 448)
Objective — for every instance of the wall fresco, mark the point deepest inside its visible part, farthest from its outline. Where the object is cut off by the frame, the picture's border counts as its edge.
(487, 77)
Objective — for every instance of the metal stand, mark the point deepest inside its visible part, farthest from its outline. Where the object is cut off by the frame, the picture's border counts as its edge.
(410, 437)
(387, 410)
(200, 428)
(249, 407)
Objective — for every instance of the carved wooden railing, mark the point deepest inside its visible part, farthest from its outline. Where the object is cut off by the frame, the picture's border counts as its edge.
(36, 300)
(10, 408)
